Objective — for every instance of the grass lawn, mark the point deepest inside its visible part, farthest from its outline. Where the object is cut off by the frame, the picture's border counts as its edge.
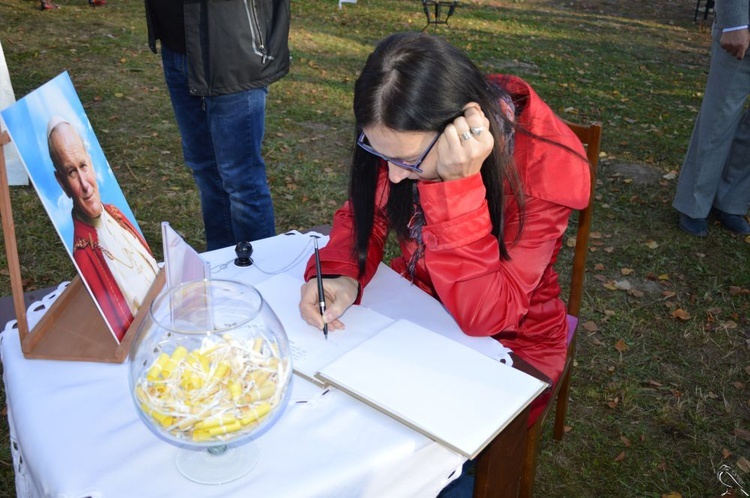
(661, 390)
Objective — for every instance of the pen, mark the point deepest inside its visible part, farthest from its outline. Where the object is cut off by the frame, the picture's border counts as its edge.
(321, 294)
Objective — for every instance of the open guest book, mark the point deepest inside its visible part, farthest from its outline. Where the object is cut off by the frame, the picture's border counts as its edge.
(446, 390)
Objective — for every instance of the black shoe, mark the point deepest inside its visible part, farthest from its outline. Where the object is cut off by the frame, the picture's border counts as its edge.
(694, 226)
(734, 222)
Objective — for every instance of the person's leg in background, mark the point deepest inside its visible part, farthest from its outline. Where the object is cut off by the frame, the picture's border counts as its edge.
(733, 194)
(711, 141)
(237, 123)
(198, 152)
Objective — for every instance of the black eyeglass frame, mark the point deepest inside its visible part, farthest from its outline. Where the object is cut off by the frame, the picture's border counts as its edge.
(411, 167)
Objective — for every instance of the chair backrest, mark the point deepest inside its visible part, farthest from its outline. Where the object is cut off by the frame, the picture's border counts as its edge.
(590, 136)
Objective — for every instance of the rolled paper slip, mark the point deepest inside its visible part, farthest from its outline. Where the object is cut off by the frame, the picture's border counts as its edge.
(256, 413)
(221, 370)
(156, 369)
(259, 377)
(225, 429)
(215, 422)
(177, 356)
(262, 393)
(164, 420)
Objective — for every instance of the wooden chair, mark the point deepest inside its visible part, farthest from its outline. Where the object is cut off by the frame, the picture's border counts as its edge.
(590, 137)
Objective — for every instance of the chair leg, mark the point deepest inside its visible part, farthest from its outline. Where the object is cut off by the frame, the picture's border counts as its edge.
(528, 470)
(561, 408)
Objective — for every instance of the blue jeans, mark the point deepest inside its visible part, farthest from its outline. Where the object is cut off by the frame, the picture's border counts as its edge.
(221, 143)
(462, 486)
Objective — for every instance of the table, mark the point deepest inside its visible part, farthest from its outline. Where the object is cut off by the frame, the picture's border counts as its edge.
(75, 431)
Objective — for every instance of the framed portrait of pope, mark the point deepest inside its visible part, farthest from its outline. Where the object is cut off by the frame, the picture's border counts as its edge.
(80, 193)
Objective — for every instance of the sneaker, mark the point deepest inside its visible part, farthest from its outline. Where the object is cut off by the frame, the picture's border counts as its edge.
(734, 222)
(694, 226)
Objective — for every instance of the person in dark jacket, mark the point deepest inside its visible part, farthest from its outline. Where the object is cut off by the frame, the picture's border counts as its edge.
(219, 58)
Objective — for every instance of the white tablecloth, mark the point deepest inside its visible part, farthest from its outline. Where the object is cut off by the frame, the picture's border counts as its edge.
(75, 431)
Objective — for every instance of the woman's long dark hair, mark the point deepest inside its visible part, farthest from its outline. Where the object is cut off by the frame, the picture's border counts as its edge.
(418, 82)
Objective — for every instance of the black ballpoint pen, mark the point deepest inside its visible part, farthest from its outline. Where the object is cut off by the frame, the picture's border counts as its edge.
(321, 294)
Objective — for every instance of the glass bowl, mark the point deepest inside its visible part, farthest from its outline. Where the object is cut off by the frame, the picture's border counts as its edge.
(209, 370)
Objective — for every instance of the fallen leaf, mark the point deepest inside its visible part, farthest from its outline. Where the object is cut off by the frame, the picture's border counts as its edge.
(672, 494)
(610, 285)
(590, 326)
(664, 276)
(626, 271)
(571, 242)
(662, 466)
(622, 285)
(668, 294)
(625, 441)
(567, 429)
(620, 457)
(609, 313)
(725, 453)
(738, 385)
(609, 250)
(654, 383)
(635, 293)
(743, 464)
(620, 346)
(681, 314)
(742, 434)
(729, 324)
(652, 244)
(595, 235)
(598, 267)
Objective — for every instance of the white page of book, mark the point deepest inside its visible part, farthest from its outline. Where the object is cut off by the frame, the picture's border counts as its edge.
(449, 392)
(403, 300)
(309, 348)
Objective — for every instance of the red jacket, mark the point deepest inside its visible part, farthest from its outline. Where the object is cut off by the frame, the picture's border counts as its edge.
(516, 301)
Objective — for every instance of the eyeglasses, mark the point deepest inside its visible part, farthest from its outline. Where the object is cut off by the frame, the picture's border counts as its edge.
(411, 167)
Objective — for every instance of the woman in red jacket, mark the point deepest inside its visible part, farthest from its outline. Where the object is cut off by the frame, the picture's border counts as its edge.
(477, 177)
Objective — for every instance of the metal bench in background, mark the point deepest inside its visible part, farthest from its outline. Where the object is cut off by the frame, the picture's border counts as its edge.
(708, 7)
(438, 11)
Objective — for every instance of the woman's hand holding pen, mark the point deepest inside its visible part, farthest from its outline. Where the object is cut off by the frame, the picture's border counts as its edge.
(465, 144)
(340, 293)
